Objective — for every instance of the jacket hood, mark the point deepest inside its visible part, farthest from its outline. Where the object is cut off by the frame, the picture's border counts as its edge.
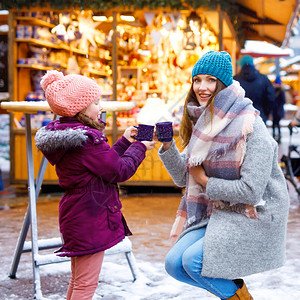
(248, 73)
(55, 143)
(64, 134)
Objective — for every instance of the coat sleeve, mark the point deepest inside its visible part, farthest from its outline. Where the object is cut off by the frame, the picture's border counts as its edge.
(121, 145)
(105, 162)
(174, 162)
(260, 157)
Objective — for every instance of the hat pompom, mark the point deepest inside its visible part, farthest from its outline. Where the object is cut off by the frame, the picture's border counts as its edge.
(50, 77)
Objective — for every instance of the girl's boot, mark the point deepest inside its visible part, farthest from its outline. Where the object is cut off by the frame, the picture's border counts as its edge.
(242, 293)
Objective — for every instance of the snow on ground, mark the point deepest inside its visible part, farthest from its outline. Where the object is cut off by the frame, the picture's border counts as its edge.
(115, 282)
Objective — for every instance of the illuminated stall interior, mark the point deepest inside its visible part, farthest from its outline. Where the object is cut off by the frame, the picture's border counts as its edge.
(133, 55)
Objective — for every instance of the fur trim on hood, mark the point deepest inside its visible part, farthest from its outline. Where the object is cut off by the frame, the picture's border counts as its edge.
(49, 141)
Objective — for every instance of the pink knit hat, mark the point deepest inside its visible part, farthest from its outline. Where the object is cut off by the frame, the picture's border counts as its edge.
(70, 94)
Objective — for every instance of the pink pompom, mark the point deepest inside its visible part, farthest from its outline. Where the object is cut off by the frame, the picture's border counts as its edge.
(50, 77)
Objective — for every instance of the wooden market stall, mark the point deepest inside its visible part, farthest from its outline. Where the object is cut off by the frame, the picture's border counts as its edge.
(132, 60)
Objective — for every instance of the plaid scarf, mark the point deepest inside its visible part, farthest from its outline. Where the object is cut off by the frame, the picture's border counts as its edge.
(218, 143)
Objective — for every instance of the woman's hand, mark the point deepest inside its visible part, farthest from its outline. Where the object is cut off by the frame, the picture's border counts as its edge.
(166, 145)
(130, 133)
(149, 145)
(199, 175)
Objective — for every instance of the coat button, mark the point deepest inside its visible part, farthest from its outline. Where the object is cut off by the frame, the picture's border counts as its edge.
(97, 140)
(116, 206)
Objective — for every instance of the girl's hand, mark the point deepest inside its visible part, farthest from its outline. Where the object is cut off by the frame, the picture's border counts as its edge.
(199, 175)
(149, 145)
(129, 133)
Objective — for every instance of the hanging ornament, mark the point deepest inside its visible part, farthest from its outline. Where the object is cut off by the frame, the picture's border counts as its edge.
(167, 26)
(176, 40)
(149, 16)
(175, 17)
(87, 27)
(189, 38)
(156, 36)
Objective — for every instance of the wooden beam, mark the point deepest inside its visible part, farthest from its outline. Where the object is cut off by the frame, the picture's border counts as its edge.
(290, 24)
(260, 21)
(254, 35)
(232, 30)
(220, 36)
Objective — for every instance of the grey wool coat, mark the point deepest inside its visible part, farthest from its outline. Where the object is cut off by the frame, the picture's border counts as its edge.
(235, 245)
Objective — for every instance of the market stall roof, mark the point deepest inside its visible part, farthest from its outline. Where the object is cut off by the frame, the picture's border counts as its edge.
(265, 49)
(268, 20)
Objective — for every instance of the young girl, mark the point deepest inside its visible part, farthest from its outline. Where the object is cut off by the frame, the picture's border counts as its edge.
(88, 169)
(232, 220)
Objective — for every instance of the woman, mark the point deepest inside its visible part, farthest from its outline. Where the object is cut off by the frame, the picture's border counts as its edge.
(232, 220)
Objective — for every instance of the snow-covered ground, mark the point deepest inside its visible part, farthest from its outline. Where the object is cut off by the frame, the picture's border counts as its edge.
(115, 282)
(153, 283)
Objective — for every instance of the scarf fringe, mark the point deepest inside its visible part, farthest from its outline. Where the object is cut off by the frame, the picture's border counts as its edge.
(196, 161)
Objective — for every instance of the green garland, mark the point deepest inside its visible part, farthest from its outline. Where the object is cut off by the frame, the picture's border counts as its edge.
(229, 6)
(97, 4)
(104, 4)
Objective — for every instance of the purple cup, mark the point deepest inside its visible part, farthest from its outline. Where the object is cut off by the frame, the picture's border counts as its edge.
(145, 132)
(164, 131)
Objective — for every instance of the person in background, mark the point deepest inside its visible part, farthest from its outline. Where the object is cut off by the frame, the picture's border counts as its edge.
(278, 109)
(257, 86)
(90, 217)
(232, 219)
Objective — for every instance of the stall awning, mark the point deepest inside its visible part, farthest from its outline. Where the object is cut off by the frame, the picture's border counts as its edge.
(268, 20)
(265, 49)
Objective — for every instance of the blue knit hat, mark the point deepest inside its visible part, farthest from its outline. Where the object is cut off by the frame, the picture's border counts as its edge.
(246, 60)
(217, 64)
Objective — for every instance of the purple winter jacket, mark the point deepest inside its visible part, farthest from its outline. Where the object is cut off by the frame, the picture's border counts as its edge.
(90, 217)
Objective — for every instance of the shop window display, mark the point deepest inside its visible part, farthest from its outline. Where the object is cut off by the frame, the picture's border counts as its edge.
(155, 51)
(153, 60)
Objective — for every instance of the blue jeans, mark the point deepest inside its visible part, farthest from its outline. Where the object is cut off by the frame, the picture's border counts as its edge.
(184, 263)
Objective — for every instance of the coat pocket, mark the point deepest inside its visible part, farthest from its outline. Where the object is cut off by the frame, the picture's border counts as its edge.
(114, 217)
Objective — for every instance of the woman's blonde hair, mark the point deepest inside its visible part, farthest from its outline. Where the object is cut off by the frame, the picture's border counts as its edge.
(186, 125)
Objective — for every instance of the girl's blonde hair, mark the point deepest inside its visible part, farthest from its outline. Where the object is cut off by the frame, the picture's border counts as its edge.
(186, 125)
